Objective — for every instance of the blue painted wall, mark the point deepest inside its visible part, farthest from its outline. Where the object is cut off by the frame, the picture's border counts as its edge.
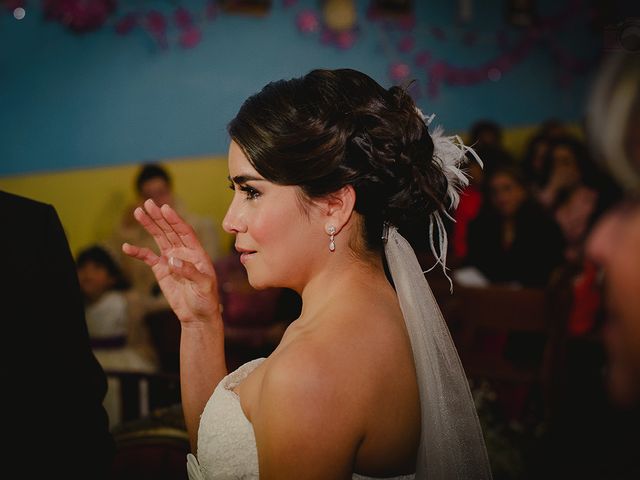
(73, 101)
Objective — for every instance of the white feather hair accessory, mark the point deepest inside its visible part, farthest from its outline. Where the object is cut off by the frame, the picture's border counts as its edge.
(451, 153)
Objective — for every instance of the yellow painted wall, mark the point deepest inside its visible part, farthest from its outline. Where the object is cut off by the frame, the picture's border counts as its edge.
(91, 201)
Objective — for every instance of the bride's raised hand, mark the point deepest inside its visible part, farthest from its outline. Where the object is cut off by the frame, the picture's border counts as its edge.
(183, 269)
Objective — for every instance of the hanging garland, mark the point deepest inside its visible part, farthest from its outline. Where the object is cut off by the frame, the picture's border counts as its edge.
(408, 58)
(439, 71)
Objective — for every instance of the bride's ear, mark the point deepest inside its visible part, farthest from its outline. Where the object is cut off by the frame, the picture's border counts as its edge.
(338, 207)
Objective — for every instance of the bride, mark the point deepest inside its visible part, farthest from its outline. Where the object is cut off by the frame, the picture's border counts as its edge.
(366, 382)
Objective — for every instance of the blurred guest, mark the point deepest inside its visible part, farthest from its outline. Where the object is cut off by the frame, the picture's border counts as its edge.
(553, 128)
(615, 244)
(533, 161)
(575, 191)
(153, 181)
(468, 209)
(613, 118)
(108, 320)
(613, 126)
(605, 445)
(54, 423)
(513, 240)
(485, 133)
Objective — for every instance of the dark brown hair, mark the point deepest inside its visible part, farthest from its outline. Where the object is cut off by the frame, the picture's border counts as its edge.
(333, 128)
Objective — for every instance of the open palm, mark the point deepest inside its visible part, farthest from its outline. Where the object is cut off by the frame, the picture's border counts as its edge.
(183, 269)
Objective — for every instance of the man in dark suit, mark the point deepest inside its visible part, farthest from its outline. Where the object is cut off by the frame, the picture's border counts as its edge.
(51, 416)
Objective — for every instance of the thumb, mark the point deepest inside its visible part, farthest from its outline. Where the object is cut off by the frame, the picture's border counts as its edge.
(187, 270)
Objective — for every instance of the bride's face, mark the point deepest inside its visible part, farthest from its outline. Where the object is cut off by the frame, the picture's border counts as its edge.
(278, 241)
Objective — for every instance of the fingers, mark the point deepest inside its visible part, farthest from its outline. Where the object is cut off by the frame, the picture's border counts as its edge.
(144, 254)
(187, 270)
(156, 215)
(150, 226)
(198, 258)
(182, 228)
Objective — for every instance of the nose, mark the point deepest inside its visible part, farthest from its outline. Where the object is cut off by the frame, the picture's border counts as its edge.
(233, 222)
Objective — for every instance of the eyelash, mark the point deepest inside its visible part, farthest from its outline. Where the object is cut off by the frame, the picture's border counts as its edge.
(252, 193)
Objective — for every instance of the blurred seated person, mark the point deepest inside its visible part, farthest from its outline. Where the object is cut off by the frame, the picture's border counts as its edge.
(553, 128)
(605, 445)
(254, 320)
(116, 341)
(534, 160)
(575, 191)
(471, 198)
(485, 133)
(513, 240)
(153, 181)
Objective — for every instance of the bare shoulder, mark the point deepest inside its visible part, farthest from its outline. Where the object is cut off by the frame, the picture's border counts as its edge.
(306, 372)
(324, 397)
(305, 421)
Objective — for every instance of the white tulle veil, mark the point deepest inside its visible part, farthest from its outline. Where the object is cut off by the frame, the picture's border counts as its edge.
(451, 442)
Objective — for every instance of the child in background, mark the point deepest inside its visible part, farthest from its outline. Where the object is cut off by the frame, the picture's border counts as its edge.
(108, 321)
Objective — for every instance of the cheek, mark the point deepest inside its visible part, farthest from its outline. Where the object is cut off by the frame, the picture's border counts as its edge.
(265, 230)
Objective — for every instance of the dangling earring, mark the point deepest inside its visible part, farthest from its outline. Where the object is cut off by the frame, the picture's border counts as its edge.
(331, 230)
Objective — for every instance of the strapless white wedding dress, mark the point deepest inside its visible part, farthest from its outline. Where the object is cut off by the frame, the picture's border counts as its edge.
(226, 441)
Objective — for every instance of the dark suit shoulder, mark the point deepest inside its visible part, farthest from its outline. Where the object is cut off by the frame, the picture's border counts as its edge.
(12, 200)
(19, 212)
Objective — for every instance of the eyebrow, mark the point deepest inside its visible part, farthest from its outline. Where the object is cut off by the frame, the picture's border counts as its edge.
(244, 179)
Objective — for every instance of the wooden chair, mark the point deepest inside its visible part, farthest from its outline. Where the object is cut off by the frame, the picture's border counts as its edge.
(139, 394)
(152, 448)
(529, 319)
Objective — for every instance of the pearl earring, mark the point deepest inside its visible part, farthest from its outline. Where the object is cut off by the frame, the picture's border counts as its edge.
(332, 244)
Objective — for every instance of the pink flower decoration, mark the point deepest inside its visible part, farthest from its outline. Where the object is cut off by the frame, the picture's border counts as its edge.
(11, 5)
(308, 22)
(190, 37)
(399, 71)
(183, 18)
(211, 11)
(422, 59)
(408, 22)
(438, 70)
(79, 15)
(126, 24)
(406, 44)
(452, 76)
(156, 23)
(345, 40)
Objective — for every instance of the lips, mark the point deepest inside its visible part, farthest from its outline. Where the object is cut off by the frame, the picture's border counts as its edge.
(245, 253)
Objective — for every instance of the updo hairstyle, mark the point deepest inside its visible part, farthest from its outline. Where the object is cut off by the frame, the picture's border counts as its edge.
(332, 128)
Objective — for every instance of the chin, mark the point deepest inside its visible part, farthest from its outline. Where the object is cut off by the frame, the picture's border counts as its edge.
(258, 283)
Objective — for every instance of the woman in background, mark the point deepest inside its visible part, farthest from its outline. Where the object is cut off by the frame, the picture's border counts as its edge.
(108, 317)
(513, 240)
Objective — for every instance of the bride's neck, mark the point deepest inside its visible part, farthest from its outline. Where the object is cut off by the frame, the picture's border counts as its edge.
(338, 280)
